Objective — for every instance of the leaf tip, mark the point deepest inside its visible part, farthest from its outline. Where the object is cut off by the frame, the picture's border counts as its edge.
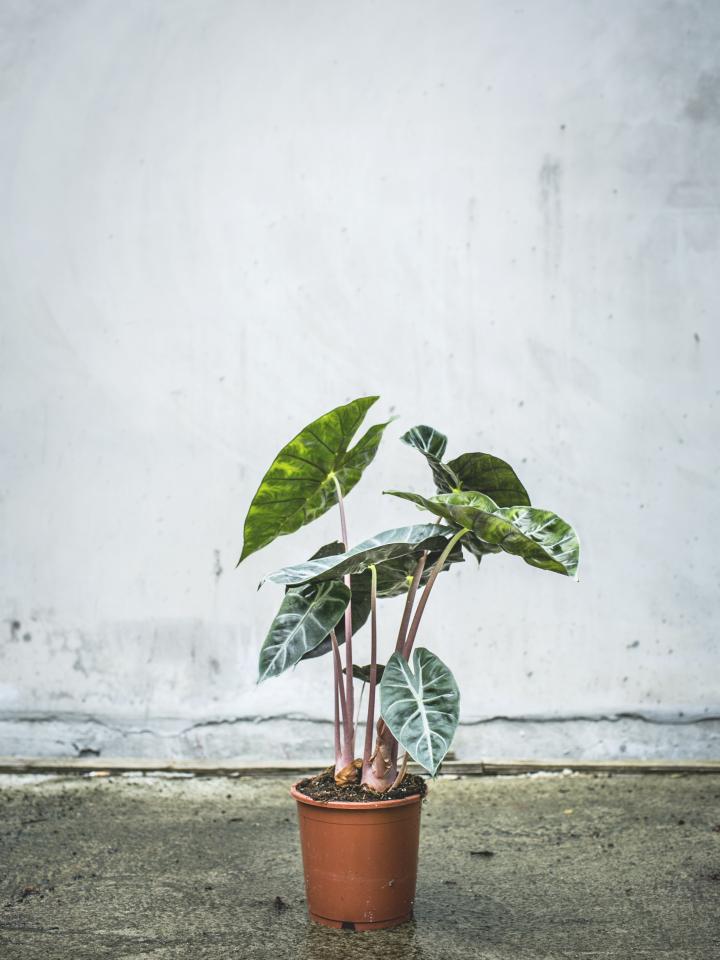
(247, 549)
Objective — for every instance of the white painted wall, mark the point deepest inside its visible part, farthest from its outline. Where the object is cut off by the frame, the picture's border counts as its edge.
(221, 218)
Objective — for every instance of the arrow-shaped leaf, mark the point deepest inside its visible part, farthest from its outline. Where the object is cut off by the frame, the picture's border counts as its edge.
(470, 471)
(359, 608)
(540, 537)
(431, 444)
(299, 486)
(492, 476)
(390, 544)
(393, 579)
(429, 441)
(300, 625)
(421, 706)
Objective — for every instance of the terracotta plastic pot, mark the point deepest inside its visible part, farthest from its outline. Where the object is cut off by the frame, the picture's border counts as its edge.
(360, 860)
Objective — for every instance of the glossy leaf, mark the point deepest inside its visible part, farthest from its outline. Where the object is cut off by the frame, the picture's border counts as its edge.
(299, 486)
(360, 610)
(471, 471)
(393, 579)
(390, 544)
(421, 706)
(540, 537)
(492, 476)
(301, 623)
(431, 444)
(394, 576)
(359, 601)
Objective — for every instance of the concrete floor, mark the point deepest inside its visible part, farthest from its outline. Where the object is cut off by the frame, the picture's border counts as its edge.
(581, 866)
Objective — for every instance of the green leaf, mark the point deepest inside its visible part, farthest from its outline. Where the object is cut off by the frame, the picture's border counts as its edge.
(477, 547)
(453, 507)
(471, 471)
(299, 486)
(492, 476)
(301, 624)
(390, 544)
(540, 537)
(440, 508)
(393, 579)
(363, 673)
(431, 444)
(359, 607)
(359, 601)
(421, 706)
(394, 576)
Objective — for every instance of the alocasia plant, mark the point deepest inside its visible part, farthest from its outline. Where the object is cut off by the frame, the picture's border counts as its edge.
(479, 505)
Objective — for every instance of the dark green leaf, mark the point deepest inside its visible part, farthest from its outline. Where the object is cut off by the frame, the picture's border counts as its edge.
(476, 547)
(388, 545)
(431, 444)
(473, 543)
(359, 601)
(471, 471)
(363, 673)
(421, 706)
(301, 623)
(394, 576)
(393, 579)
(299, 486)
(492, 476)
(540, 537)
(359, 607)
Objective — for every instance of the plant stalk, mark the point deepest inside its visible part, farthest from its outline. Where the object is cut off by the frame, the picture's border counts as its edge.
(384, 764)
(401, 775)
(343, 756)
(439, 564)
(349, 681)
(373, 673)
(336, 722)
(409, 601)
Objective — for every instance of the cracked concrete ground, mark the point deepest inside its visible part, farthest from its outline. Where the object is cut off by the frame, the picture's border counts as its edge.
(578, 866)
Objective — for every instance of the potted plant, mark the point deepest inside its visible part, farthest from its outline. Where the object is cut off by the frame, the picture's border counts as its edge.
(360, 819)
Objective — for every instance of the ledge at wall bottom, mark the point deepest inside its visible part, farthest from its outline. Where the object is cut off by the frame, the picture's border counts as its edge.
(289, 768)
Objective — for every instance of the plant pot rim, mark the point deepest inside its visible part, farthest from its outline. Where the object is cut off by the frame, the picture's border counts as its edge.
(354, 805)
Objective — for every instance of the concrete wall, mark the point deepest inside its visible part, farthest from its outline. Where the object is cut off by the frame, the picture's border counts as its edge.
(221, 218)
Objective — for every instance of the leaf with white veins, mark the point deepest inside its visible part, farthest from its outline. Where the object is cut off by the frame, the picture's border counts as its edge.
(540, 537)
(431, 444)
(421, 706)
(301, 624)
(390, 544)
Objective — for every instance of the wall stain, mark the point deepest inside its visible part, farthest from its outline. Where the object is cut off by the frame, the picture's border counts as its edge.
(704, 105)
(217, 567)
(550, 186)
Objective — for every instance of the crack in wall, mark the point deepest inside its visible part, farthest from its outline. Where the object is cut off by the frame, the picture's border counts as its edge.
(129, 730)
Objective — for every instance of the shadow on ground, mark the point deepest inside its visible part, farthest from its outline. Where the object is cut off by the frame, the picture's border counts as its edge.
(511, 869)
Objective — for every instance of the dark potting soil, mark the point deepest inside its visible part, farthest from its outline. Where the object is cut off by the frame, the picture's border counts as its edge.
(323, 788)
